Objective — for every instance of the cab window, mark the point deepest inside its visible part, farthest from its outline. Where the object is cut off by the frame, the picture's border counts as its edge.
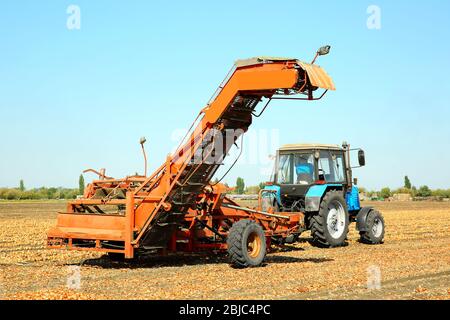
(304, 172)
(338, 164)
(284, 172)
(331, 166)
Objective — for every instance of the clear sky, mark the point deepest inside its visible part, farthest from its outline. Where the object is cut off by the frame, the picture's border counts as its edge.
(73, 99)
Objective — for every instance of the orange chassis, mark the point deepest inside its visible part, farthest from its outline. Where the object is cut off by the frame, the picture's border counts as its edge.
(89, 225)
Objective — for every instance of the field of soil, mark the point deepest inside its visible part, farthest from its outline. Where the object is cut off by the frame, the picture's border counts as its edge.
(414, 263)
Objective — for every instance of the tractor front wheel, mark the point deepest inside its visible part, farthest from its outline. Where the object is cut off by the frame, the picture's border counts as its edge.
(374, 228)
(246, 244)
(329, 226)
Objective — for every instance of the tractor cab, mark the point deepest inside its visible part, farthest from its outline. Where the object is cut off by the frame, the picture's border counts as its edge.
(304, 172)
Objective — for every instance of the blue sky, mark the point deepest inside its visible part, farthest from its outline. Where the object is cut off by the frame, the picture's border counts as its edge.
(73, 99)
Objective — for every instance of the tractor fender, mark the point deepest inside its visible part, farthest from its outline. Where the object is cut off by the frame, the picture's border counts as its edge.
(361, 218)
(315, 194)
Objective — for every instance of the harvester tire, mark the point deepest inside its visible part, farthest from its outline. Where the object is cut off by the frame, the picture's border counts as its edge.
(246, 244)
(374, 228)
(329, 226)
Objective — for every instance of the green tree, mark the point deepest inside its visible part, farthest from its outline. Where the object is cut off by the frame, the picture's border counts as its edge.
(402, 190)
(407, 183)
(252, 190)
(12, 194)
(385, 193)
(52, 193)
(362, 190)
(424, 191)
(441, 193)
(413, 191)
(81, 184)
(21, 186)
(240, 185)
(262, 185)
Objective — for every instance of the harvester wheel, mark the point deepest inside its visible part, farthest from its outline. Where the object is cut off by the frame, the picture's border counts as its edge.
(374, 227)
(329, 226)
(246, 244)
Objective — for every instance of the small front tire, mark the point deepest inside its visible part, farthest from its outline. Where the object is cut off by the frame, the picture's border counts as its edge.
(246, 244)
(374, 228)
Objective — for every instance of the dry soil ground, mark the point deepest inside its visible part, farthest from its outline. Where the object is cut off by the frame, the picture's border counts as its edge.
(414, 263)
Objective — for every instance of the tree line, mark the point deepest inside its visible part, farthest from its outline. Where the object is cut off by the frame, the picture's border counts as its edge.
(43, 193)
(385, 193)
(420, 192)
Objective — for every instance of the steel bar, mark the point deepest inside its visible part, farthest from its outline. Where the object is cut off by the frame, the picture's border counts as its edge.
(226, 205)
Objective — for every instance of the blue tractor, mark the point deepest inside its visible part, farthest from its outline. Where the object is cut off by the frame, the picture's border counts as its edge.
(316, 179)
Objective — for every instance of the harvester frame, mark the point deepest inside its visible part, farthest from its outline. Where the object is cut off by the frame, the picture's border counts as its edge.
(177, 209)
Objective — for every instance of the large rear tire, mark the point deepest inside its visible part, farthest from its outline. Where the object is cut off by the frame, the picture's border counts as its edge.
(329, 226)
(246, 244)
(374, 227)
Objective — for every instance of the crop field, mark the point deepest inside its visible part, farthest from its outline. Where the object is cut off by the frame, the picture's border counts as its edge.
(413, 263)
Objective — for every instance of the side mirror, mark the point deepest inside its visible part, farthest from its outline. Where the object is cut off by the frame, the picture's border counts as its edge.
(361, 158)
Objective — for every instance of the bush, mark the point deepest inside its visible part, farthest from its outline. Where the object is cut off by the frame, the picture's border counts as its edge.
(385, 193)
(252, 190)
(441, 193)
(401, 190)
(371, 193)
(424, 191)
(12, 194)
(37, 194)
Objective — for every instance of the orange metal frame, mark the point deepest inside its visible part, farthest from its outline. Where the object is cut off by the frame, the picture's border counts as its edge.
(116, 215)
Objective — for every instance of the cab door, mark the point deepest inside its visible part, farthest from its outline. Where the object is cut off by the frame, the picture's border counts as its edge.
(331, 167)
(295, 174)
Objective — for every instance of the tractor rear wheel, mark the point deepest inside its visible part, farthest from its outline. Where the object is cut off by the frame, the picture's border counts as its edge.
(329, 226)
(374, 227)
(246, 244)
